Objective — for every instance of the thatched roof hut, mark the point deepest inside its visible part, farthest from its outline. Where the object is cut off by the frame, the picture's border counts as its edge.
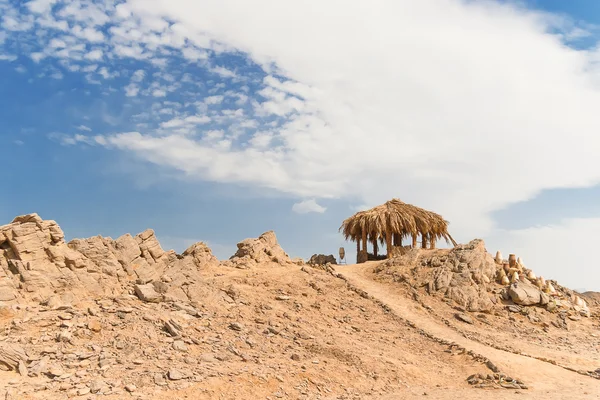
(391, 222)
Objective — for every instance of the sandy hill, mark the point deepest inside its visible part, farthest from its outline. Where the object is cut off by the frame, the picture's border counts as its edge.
(113, 319)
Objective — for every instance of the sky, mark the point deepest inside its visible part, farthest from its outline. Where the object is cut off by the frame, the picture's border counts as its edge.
(218, 120)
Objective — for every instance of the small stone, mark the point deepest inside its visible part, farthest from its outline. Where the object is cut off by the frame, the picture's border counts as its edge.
(179, 345)
(173, 328)
(96, 386)
(295, 357)
(83, 391)
(492, 366)
(148, 294)
(130, 388)
(65, 317)
(464, 318)
(55, 371)
(64, 337)
(175, 375)
(94, 325)
(159, 379)
(236, 326)
(282, 298)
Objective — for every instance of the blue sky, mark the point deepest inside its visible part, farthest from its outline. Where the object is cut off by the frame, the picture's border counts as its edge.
(217, 120)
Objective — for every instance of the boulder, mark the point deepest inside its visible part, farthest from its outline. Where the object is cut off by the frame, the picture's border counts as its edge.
(525, 294)
(321, 259)
(148, 293)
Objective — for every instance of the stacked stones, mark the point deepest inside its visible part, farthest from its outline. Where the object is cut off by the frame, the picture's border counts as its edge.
(513, 270)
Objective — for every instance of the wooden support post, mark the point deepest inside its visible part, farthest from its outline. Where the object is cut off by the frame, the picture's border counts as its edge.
(424, 241)
(414, 242)
(388, 244)
(375, 248)
(432, 243)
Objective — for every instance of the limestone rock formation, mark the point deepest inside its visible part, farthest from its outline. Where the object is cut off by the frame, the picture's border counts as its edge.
(264, 249)
(462, 275)
(37, 264)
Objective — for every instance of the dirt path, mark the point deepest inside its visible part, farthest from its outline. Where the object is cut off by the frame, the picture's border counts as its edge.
(545, 380)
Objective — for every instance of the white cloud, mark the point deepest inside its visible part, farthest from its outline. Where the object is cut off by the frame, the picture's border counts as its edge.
(138, 76)
(40, 6)
(94, 55)
(131, 90)
(106, 74)
(191, 120)
(214, 100)
(223, 72)
(89, 34)
(57, 75)
(214, 135)
(308, 206)
(194, 54)
(261, 140)
(84, 128)
(447, 100)
(57, 43)
(159, 93)
(8, 57)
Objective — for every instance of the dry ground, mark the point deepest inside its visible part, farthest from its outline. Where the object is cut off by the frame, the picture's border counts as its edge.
(288, 332)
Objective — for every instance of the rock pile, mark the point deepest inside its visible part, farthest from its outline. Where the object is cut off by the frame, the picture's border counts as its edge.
(478, 282)
(527, 289)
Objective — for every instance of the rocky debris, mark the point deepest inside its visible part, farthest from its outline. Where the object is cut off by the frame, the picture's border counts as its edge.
(496, 380)
(37, 264)
(264, 249)
(321, 259)
(13, 358)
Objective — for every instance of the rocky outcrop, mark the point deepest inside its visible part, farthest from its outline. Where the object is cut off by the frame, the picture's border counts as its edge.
(264, 249)
(322, 259)
(37, 264)
(470, 277)
(462, 275)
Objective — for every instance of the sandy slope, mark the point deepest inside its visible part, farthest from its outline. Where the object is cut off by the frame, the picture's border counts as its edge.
(545, 380)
